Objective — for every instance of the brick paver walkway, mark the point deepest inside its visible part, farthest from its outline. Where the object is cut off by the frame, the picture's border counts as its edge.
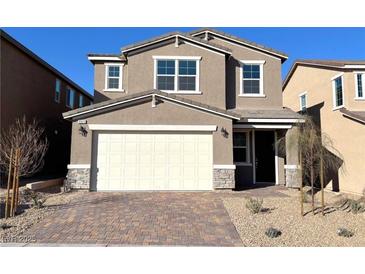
(140, 218)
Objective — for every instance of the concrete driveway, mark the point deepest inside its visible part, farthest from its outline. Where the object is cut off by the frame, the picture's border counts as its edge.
(140, 218)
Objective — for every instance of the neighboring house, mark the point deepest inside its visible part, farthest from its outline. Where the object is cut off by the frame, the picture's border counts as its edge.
(183, 111)
(333, 92)
(29, 86)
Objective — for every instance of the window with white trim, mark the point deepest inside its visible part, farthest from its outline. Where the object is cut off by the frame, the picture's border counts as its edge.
(241, 153)
(70, 97)
(81, 101)
(113, 77)
(252, 78)
(57, 96)
(360, 91)
(338, 92)
(177, 75)
(303, 102)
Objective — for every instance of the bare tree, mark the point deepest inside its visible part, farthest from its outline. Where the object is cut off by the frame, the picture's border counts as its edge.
(318, 156)
(32, 143)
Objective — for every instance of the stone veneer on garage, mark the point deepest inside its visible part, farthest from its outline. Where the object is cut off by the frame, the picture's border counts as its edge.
(223, 178)
(79, 178)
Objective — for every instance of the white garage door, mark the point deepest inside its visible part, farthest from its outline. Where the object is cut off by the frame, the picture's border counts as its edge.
(154, 161)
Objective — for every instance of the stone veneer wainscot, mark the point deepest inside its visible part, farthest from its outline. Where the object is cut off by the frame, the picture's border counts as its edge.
(224, 178)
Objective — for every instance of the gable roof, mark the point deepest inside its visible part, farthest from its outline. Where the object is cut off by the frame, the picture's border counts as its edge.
(283, 56)
(39, 60)
(332, 64)
(178, 35)
(145, 94)
(94, 57)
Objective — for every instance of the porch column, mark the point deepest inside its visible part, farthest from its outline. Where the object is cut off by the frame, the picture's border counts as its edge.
(293, 176)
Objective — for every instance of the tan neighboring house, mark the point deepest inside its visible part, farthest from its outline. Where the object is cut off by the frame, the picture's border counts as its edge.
(183, 111)
(30, 86)
(333, 92)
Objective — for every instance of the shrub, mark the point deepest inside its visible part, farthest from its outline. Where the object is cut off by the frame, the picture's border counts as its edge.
(272, 232)
(35, 197)
(343, 232)
(254, 205)
(356, 206)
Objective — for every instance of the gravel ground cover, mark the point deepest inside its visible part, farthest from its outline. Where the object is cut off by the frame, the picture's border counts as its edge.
(283, 213)
(11, 229)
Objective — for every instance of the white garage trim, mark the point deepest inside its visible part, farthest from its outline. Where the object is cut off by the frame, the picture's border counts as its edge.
(224, 166)
(260, 126)
(75, 166)
(209, 128)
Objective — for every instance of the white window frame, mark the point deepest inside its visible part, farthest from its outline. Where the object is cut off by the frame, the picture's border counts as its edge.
(300, 100)
(57, 96)
(83, 100)
(335, 107)
(121, 66)
(247, 146)
(252, 62)
(69, 92)
(176, 75)
(357, 97)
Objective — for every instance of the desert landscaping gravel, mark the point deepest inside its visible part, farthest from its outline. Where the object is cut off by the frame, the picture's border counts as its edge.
(284, 214)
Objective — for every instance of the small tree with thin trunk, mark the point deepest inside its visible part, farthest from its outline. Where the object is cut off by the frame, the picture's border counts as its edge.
(317, 154)
(30, 140)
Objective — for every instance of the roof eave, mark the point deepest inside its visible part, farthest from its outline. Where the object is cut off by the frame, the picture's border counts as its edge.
(282, 56)
(126, 50)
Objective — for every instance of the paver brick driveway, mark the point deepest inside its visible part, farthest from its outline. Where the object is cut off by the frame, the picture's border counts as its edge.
(140, 218)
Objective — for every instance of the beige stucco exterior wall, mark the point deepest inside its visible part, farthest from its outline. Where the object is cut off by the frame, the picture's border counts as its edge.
(165, 113)
(271, 77)
(139, 73)
(348, 135)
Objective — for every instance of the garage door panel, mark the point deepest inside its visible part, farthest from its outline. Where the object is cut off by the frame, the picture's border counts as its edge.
(154, 161)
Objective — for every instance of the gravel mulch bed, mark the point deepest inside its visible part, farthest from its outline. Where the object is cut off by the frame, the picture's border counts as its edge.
(11, 229)
(284, 214)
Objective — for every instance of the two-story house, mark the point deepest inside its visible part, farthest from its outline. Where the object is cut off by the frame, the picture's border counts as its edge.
(333, 92)
(31, 87)
(183, 111)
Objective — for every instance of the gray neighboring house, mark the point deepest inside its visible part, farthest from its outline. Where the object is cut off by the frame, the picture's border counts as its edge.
(184, 111)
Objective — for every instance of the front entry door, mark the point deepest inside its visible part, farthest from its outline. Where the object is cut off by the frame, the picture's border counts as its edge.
(265, 156)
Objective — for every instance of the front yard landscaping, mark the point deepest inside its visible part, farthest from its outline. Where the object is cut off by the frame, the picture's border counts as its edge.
(182, 218)
(283, 213)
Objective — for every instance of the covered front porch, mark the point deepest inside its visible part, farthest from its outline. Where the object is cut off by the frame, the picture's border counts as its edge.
(259, 160)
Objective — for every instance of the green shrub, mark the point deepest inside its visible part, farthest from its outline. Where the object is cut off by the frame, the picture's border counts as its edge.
(254, 205)
(343, 232)
(272, 232)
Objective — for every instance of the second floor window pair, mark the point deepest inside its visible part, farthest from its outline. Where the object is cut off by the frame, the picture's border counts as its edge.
(176, 75)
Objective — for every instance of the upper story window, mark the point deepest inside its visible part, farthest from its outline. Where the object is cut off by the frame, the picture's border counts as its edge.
(303, 101)
(241, 154)
(178, 74)
(252, 80)
(70, 97)
(57, 96)
(113, 77)
(359, 81)
(81, 101)
(337, 86)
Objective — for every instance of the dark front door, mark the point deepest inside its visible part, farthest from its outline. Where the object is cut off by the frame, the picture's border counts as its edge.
(265, 156)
